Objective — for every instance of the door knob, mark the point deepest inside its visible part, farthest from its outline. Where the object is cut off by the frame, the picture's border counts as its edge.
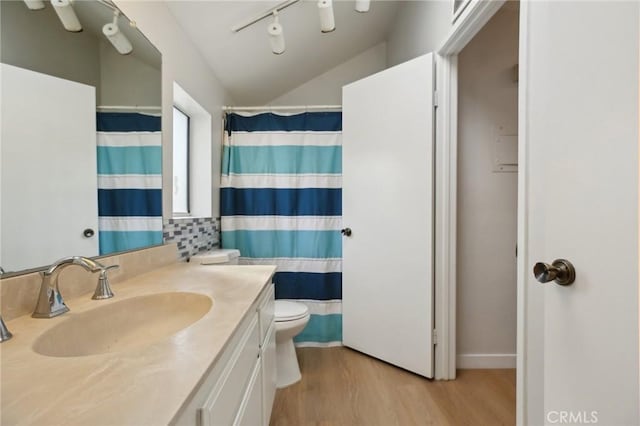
(346, 232)
(561, 271)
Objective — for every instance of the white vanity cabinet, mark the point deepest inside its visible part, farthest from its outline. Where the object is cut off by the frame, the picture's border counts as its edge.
(240, 388)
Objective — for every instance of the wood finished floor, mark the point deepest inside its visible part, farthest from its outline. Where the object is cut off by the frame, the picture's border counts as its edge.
(343, 387)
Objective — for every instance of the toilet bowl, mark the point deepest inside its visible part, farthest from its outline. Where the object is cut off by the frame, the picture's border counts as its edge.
(290, 319)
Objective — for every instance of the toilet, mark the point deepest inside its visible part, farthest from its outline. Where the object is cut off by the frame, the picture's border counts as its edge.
(217, 257)
(290, 318)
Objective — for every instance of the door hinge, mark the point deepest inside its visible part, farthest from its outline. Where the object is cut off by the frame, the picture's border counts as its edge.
(435, 98)
(435, 337)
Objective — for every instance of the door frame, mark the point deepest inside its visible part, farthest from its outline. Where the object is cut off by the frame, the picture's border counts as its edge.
(523, 215)
(467, 25)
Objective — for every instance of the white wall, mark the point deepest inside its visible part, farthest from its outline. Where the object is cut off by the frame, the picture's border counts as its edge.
(419, 27)
(326, 89)
(126, 80)
(487, 201)
(35, 40)
(182, 63)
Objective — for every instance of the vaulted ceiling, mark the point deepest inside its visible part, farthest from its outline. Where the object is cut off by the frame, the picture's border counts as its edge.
(243, 61)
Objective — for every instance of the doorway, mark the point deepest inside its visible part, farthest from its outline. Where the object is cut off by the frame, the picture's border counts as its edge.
(487, 195)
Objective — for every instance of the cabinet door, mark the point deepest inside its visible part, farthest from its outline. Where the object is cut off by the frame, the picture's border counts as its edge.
(250, 413)
(222, 404)
(269, 378)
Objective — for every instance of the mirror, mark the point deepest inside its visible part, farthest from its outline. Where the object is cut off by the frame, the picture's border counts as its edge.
(80, 157)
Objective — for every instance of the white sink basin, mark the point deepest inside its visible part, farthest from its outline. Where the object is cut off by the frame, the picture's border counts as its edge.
(123, 325)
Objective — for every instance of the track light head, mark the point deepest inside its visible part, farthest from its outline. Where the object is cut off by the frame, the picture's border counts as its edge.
(362, 6)
(276, 35)
(67, 16)
(111, 30)
(34, 4)
(327, 20)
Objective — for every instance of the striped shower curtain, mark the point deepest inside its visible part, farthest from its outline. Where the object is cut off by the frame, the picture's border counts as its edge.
(129, 181)
(281, 204)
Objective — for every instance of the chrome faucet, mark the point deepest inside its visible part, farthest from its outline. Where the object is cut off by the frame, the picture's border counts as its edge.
(50, 303)
(5, 334)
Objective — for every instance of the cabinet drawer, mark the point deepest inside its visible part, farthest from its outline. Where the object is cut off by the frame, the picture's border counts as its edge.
(266, 311)
(222, 404)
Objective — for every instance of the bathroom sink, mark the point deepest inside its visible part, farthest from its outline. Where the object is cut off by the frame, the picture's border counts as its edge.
(123, 325)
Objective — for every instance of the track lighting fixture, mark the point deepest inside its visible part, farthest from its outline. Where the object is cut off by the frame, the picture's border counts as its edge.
(275, 31)
(327, 20)
(363, 6)
(34, 4)
(67, 16)
(276, 35)
(116, 37)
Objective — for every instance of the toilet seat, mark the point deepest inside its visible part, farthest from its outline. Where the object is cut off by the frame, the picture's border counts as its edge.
(289, 311)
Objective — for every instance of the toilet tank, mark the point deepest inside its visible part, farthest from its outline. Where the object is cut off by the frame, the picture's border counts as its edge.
(217, 257)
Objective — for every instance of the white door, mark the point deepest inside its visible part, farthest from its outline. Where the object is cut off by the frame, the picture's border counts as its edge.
(579, 201)
(387, 306)
(49, 171)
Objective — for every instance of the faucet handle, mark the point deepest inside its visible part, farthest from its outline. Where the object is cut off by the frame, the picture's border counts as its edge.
(104, 269)
(103, 289)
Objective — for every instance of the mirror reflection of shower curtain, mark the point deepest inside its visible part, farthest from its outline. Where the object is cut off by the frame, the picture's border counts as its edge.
(281, 204)
(129, 180)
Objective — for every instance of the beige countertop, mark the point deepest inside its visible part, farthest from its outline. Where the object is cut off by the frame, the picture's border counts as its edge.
(140, 386)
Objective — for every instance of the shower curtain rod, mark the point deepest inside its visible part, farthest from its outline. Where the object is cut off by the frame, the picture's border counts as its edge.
(133, 107)
(281, 108)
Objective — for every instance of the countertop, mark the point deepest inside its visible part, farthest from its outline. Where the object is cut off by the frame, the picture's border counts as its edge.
(142, 386)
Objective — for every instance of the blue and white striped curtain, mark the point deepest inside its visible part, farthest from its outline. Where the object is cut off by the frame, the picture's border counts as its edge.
(281, 203)
(129, 181)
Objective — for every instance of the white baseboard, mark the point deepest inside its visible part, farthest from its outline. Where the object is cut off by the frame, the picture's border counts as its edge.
(486, 361)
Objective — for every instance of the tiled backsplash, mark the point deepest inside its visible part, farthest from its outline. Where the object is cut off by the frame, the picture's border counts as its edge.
(192, 235)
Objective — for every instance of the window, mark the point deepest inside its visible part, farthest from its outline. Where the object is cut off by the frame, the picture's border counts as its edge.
(194, 176)
(181, 124)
